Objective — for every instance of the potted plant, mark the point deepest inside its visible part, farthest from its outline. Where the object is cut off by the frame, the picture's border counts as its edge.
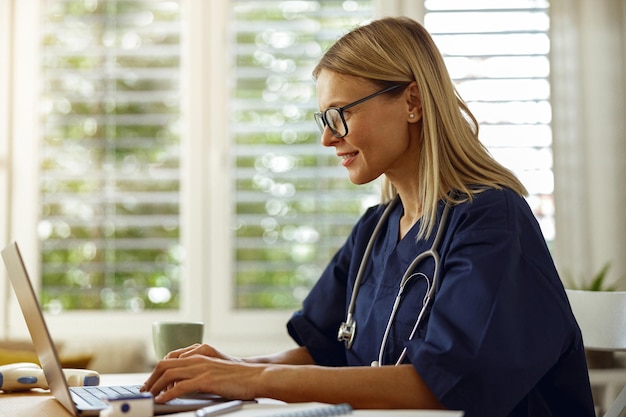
(588, 300)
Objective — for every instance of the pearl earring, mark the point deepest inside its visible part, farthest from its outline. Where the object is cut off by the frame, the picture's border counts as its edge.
(411, 115)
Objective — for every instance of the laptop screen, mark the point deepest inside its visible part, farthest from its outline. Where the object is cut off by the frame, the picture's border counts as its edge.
(46, 351)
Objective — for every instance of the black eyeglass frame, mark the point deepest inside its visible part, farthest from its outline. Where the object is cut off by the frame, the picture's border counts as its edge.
(322, 121)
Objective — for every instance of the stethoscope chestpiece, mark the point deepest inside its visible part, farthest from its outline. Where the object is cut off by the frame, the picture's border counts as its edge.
(346, 332)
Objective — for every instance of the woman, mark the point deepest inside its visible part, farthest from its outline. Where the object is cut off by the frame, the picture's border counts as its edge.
(499, 338)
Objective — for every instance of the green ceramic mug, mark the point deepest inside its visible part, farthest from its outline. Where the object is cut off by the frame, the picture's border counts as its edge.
(171, 335)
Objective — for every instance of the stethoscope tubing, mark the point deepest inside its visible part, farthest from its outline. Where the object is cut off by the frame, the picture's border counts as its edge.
(347, 329)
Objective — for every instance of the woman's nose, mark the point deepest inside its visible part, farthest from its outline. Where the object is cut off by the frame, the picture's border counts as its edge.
(328, 139)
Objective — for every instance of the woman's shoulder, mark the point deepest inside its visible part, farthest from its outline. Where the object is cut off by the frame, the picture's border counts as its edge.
(493, 206)
(492, 198)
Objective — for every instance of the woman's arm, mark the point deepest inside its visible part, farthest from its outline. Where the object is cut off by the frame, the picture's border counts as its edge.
(361, 387)
(296, 356)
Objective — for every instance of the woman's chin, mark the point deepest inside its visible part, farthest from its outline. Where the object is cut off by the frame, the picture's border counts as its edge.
(357, 179)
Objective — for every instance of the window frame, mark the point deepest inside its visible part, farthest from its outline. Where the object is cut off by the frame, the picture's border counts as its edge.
(20, 168)
(6, 19)
(230, 329)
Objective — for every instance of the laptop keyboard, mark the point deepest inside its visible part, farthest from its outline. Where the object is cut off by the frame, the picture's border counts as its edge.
(94, 396)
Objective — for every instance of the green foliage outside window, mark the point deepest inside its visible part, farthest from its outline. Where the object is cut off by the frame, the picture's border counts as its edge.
(295, 205)
(109, 223)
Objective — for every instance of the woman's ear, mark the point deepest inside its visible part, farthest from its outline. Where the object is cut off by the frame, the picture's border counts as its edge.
(414, 102)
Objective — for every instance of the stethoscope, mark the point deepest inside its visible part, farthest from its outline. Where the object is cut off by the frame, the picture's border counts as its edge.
(347, 329)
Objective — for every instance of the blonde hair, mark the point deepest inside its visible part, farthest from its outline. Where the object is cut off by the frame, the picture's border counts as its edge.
(399, 50)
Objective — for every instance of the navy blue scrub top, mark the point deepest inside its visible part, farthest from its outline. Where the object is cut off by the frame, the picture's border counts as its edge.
(500, 337)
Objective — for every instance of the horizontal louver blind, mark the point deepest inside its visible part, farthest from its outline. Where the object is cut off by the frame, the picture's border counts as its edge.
(110, 164)
(497, 54)
(109, 225)
(294, 205)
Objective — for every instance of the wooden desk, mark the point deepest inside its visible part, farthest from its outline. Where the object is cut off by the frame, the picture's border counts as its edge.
(42, 404)
(31, 404)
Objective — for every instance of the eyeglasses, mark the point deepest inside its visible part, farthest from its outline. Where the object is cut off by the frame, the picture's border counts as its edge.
(333, 116)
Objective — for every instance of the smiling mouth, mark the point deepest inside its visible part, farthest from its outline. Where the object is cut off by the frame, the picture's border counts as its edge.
(347, 158)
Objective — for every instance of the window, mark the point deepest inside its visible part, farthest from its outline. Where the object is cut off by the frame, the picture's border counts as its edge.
(177, 167)
(293, 204)
(110, 224)
(109, 184)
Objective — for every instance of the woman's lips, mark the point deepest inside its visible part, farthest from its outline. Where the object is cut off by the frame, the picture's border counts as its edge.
(347, 158)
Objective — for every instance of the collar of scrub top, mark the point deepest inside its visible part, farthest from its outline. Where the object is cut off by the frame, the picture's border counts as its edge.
(347, 329)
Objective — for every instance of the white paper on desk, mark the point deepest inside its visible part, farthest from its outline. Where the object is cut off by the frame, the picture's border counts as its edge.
(267, 408)
(412, 413)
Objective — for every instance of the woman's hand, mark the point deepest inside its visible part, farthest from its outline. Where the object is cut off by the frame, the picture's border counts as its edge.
(200, 349)
(202, 368)
(201, 372)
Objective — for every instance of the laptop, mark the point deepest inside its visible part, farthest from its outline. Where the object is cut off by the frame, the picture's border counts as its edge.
(80, 401)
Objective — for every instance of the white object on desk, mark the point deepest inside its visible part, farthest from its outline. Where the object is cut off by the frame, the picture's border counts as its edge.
(407, 413)
(321, 411)
(129, 406)
(23, 376)
(218, 409)
(267, 407)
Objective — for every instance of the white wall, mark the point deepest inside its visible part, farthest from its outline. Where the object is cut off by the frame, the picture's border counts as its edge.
(5, 126)
(589, 128)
